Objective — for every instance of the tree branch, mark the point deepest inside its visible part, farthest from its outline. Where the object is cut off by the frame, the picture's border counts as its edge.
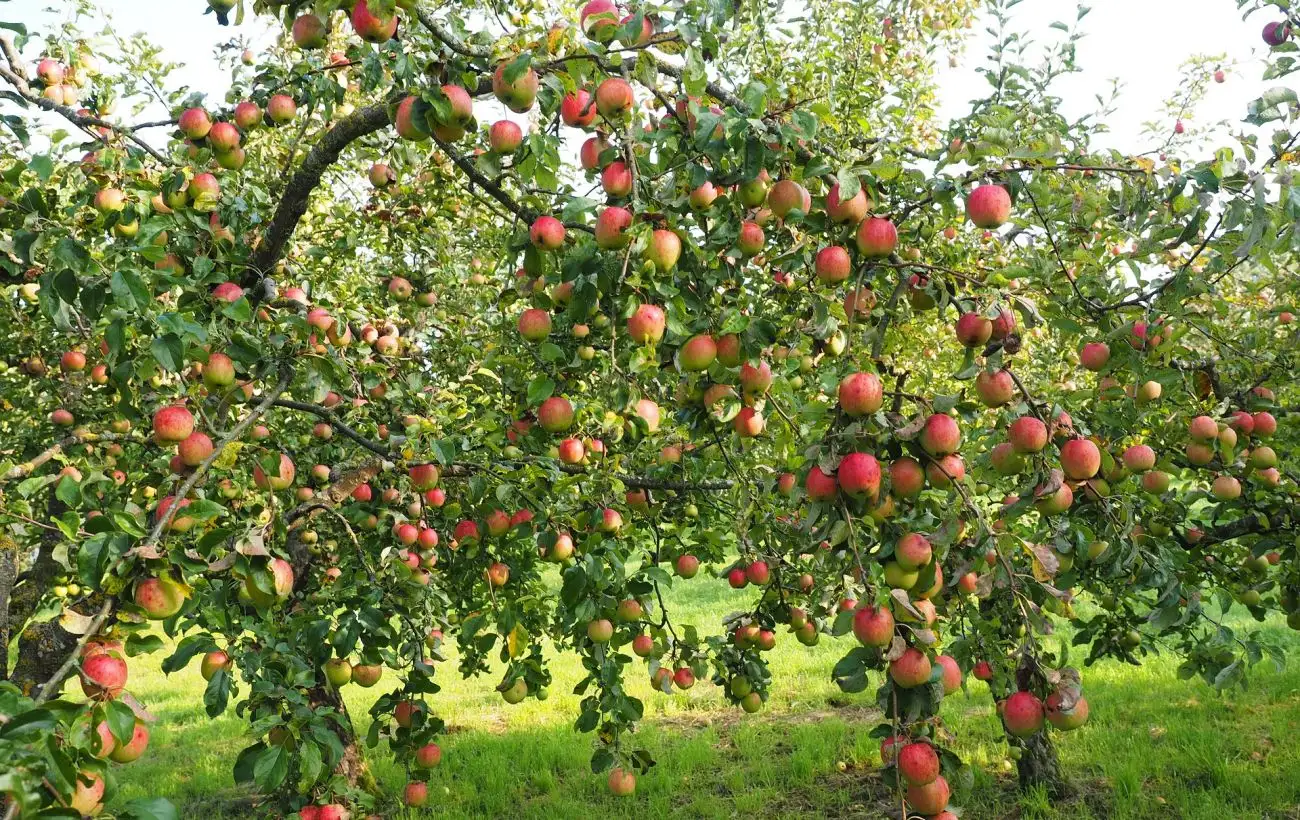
(293, 204)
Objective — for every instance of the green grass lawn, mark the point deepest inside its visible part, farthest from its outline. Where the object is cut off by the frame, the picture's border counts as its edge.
(1156, 747)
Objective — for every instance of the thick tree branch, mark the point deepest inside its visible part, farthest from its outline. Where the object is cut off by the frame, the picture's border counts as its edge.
(31, 465)
(293, 204)
(332, 419)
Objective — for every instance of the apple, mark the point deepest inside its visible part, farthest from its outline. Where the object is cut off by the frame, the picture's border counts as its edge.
(988, 206)
(832, 264)
(646, 324)
(517, 95)
(371, 28)
(1022, 714)
(877, 238)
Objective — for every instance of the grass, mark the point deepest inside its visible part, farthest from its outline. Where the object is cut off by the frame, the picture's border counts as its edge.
(1155, 747)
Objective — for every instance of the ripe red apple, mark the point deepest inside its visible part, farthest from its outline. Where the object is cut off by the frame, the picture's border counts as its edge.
(698, 353)
(103, 676)
(913, 551)
(578, 109)
(852, 210)
(877, 238)
(687, 566)
(194, 449)
(751, 238)
(755, 380)
(643, 645)
(600, 630)
(646, 324)
(571, 451)
(614, 97)
(280, 480)
(911, 669)
(547, 233)
(858, 475)
(416, 794)
(973, 330)
(940, 435)
(832, 264)
(988, 206)
(195, 123)
(617, 179)
(702, 197)
(1139, 458)
(906, 477)
(1094, 355)
(786, 196)
(428, 756)
(621, 782)
(873, 626)
(212, 662)
(1027, 434)
(589, 154)
(534, 324)
(995, 389)
(172, 424)
(1080, 459)
(860, 394)
(1022, 714)
(664, 249)
(160, 598)
(951, 671)
(684, 678)
(555, 415)
(281, 108)
(1064, 720)
(131, 751)
(930, 799)
(611, 228)
(1226, 488)
(87, 794)
(748, 423)
(371, 28)
(918, 764)
(1265, 425)
(819, 486)
(505, 137)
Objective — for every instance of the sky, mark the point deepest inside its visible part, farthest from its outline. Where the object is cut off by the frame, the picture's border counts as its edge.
(1141, 42)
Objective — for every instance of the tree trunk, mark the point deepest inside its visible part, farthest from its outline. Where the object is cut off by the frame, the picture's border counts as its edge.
(353, 764)
(42, 647)
(8, 575)
(1039, 766)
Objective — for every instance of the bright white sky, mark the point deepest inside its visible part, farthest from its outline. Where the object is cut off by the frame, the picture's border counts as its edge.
(1142, 42)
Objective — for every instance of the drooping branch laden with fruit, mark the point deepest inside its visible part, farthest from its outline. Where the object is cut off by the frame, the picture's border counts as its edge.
(305, 381)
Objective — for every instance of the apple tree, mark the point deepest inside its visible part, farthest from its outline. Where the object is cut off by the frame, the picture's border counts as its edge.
(483, 327)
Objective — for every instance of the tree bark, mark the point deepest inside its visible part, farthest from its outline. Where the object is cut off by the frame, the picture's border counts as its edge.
(1039, 766)
(43, 647)
(8, 575)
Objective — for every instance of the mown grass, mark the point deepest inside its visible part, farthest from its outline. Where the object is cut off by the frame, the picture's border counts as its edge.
(1156, 747)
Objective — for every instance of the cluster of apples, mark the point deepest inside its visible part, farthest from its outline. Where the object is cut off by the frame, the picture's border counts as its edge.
(103, 680)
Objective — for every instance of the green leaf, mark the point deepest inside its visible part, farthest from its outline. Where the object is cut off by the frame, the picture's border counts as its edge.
(141, 644)
(189, 646)
(129, 290)
(270, 768)
(540, 389)
(169, 352)
(149, 808)
(68, 491)
(72, 254)
(121, 721)
(217, 694)
(29, 723)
